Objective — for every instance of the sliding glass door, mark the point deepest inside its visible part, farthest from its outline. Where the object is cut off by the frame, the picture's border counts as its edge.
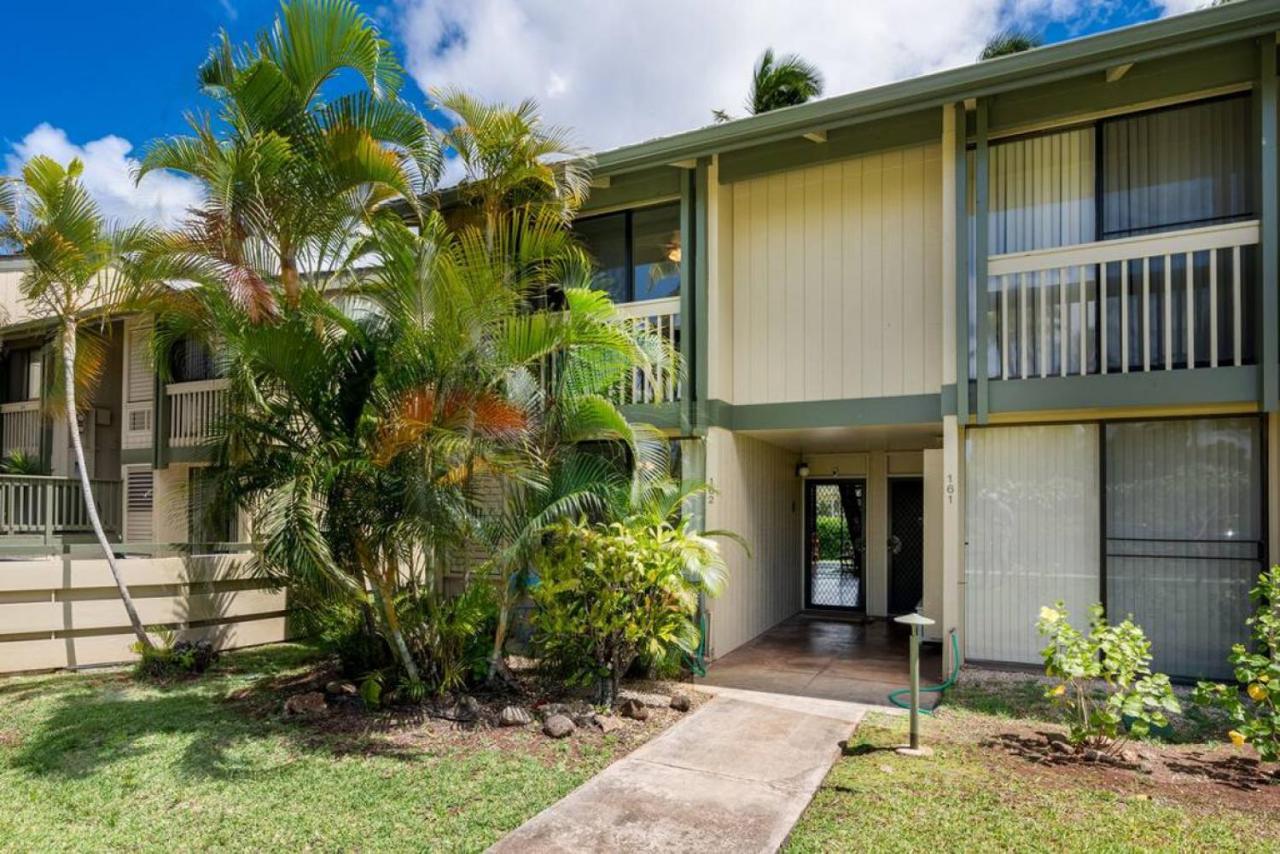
(1184, 535)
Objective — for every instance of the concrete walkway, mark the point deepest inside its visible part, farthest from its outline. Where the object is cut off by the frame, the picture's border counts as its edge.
(733, 776)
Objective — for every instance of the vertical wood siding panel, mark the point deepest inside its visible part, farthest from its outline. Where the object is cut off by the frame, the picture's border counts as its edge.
(851, 276)
(836, 277)
(931, 251)
(872, 344)
(816, 362)
(833, 290)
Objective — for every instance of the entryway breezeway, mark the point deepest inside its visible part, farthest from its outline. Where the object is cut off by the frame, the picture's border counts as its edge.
(853, 659)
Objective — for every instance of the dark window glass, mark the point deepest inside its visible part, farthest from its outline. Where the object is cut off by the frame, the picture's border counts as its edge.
(655, 252)
(22, 375)
(637, 252)
(190, 361)
(605, 238)
(1177, 168)
(210, 517)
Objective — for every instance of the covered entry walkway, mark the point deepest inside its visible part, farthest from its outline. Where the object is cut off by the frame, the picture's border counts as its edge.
(812, 655)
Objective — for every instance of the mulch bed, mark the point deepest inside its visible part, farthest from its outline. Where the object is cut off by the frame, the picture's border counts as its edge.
(442, 725)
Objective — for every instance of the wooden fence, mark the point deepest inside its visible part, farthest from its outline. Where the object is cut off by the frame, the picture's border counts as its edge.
(63, 610)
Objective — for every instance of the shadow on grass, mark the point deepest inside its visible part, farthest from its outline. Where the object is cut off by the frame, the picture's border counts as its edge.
(96, 722)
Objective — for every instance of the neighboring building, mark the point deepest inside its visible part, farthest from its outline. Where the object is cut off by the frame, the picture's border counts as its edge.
(979, 340)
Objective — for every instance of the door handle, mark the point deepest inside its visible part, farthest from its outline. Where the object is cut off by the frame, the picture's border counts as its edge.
(895, 544)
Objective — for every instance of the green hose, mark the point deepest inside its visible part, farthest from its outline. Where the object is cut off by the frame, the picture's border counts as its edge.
(698, 661)
(932, 689)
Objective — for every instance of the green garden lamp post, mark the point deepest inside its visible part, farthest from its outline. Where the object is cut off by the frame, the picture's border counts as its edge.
(917, 622)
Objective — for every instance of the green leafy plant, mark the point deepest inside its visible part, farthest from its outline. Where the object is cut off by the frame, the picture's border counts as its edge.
(169, 657)
(1251, 703)
(451, 635)
(608, 593)
(18, 462)
(1105, 684)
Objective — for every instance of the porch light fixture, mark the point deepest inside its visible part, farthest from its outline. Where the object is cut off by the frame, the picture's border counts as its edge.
(802, 470)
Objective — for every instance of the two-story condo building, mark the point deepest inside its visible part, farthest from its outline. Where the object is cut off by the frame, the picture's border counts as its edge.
(976, 342)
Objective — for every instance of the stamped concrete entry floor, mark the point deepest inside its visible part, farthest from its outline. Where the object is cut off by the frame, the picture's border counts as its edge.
(855, 660)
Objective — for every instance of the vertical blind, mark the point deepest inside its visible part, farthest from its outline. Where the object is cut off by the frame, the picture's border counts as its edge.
(1184, 535)
(1032, 530)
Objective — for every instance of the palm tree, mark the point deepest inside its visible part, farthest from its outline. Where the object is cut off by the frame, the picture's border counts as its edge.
(285, 169)
(511, 158)
(81, 269)
(1009, 42)
(782, 82)
(356, 423)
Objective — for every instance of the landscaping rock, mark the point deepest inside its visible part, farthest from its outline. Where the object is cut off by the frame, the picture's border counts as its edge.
(338, 688)
(558, 726)
(1061, 747)
(634, 709)
(1091, 755)
(606, 723)
(464, 710)
(681, 702)
(514, 716)
(308, 705)
(644, 698)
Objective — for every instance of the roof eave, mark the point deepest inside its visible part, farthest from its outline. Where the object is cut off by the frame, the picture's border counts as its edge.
(1141, 42)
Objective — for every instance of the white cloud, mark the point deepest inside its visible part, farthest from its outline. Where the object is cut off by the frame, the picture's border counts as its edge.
(161, 198)
(619, 73)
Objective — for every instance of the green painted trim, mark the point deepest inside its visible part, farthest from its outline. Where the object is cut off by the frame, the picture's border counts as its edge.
(961, 214)
(159, 424)
(981, 188)
(1170, 77)
(1270, 222)
(688, 199)
(1205, 28)
(852, 412)
(634, 188)
(137, 456)
(1154, 388)
(666, 416)
(700, 370)
(949, 394)
(909, 129)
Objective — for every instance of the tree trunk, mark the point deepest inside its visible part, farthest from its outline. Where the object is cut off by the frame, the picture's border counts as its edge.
(69, 379)
(289, 278)
(497, 662)
(392, 619)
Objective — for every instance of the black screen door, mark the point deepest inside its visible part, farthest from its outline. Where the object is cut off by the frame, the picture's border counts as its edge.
(906, 544)
(835, 519)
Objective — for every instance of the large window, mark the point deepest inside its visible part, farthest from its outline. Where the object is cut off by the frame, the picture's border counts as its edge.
(637, 252)
(23, 374)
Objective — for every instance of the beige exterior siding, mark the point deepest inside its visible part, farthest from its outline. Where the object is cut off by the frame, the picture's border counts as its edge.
(836, 279)
(758, 497)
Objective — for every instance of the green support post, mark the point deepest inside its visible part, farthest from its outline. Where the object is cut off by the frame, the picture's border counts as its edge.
(980, 204)
(1270, 221)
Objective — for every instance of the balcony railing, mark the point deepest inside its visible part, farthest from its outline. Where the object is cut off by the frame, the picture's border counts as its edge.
(1164, 301)
(194, 410)
(662, 385)
(48, 507)
(20, 426)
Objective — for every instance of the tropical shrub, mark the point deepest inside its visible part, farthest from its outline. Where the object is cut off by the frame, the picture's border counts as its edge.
(1105, 685)
(171, 658)
(608, 593)
(451, 635)
(1251, 703)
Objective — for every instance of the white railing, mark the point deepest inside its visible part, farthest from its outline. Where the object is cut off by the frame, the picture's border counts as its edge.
(138, 420)
(194, 410)
(33, 505)
(20, 425)
(660, 317)
(1156, 302)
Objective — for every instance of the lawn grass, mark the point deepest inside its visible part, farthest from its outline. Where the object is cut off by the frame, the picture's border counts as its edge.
(98, 761)
(970, 797)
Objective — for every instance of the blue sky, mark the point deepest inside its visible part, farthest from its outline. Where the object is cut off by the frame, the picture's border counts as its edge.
(98, 79)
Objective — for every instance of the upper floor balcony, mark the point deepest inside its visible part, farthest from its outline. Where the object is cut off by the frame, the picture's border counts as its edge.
(1124, 246)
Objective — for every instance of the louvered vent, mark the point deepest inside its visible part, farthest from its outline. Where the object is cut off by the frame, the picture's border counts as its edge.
(139, 498)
